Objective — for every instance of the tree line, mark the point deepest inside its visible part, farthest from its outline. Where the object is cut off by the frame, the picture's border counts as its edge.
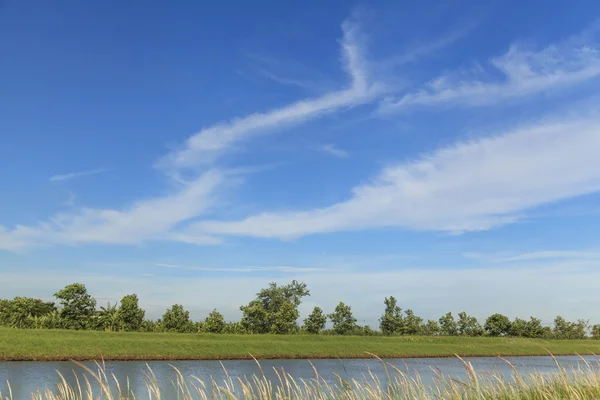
(274, 311)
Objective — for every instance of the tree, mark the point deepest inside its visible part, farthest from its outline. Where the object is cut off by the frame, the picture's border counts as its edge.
(109, 317)
(564, 329)
(497, 325)
(275, 310)
(518, 328)
(343, 319)
(535, 329)
(448, 326)
(468, 326)
(315, 322)
(596, 331)
(131, 315)
(177, 319)
(391, 321)
(431, 328)
(16, 313)
(214, 323)
(78, 307)
(412, 323)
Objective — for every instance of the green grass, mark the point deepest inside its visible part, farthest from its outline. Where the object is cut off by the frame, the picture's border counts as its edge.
(84, 345)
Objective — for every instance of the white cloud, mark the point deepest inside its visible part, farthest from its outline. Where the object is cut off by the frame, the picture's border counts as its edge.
(334, 151)
(525, 73)
(536, 256)
(209, 143)
(155, 218)
(473, 185)
(143, 220)
(73, 175)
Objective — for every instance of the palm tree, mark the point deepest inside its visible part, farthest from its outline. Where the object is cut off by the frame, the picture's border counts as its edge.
(109, 317)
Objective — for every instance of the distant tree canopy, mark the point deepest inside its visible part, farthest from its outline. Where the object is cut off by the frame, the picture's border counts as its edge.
(15, 313)
(275, 310)
(78, 307)
(343, 319)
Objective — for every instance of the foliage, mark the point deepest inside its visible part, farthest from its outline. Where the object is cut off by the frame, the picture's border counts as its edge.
(448, 326)
(468, 326)
(391, 321)
(236, 328)
(131, 315)
(412, 323)
(431, 328)
(596, 331)
(177, 319)
(214, 323)
(497, 325)
(564, 329)
(275, 309)
(17, 313)
(78, 307)
(109, 317)
(316, 321)
(343, 319)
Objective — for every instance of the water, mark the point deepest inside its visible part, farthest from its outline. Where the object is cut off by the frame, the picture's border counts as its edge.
(24, 377)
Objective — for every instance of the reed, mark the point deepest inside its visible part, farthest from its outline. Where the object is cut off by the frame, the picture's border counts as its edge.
(582, 382)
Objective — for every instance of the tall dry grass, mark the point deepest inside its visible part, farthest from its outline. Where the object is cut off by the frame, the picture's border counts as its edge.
(582, 382)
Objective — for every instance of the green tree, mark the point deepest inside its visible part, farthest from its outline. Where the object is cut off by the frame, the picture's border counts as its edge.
(214, 323)
(275, 309)
(109, 317)
(596, 331)
(177, 319)
(448, 326)
(497, 325)
(316, 321)
(431, 328)
(78, 307)
(17, 313)
(468, 326)
(131, 316)
(518, 328)
(52, 320)
(236, 328)
(343, 319)
(412, 323)
(391, 321)
(564, 329)
(535, 329)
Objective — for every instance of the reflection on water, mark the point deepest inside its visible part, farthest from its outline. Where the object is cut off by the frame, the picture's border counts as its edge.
(25, 377)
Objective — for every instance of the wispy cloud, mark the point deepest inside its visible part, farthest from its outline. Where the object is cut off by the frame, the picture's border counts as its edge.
(242, 269)
(535, 256)
(468, 186)
(334, 151)
(524, 73)
(74, 175)
(150, 219)
(155, 218)
(208, 144)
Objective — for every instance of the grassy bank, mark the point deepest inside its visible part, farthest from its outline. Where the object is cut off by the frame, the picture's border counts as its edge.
(86, 345)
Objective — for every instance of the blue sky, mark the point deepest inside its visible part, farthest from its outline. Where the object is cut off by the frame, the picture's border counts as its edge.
(444, 153)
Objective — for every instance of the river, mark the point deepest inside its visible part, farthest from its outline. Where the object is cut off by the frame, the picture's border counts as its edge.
(24, 377)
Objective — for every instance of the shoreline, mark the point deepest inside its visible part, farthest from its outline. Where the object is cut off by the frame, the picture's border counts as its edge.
(134, 358)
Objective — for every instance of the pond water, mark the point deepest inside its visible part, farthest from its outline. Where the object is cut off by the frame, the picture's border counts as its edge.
(25, 377)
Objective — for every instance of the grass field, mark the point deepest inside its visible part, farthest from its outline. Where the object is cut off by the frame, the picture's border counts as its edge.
(86, 345)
